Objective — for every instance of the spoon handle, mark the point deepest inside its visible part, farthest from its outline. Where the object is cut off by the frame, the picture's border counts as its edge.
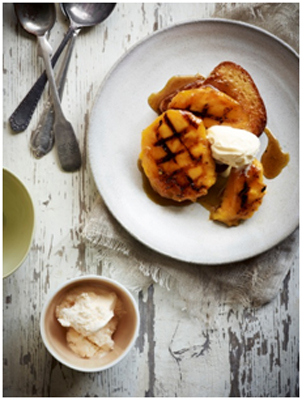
(20, 118)
(67, 145)
(65, 139)
(42, 138)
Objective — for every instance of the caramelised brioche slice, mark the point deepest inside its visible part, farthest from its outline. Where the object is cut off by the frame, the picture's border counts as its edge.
(176, 156)
(242, 195)
(235, 81)
(213, 106)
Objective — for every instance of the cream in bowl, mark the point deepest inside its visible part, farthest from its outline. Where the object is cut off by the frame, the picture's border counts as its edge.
(90, 323)
(18, 222)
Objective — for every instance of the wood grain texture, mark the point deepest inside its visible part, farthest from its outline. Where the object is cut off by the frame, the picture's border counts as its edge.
(251, 353)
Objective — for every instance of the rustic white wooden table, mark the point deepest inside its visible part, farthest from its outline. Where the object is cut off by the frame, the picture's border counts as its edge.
(252, 353)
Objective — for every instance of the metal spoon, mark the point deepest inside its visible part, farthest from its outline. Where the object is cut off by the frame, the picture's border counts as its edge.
(42, 138)
(81, 15)
(38, 19)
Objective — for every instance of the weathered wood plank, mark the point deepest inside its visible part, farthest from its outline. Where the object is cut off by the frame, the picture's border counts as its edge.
(248, 353)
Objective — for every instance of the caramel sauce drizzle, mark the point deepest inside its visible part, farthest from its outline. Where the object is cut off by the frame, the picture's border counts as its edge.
(213, 198)
(175, 84)
(273, 159)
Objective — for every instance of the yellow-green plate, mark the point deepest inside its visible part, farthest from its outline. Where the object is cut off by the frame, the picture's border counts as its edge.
(18, 222)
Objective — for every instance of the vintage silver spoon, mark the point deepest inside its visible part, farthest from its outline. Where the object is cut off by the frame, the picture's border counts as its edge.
(38, 19)
(81, 15)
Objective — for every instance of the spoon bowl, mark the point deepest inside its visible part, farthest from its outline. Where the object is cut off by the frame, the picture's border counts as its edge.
(36, 19)
(84, 15)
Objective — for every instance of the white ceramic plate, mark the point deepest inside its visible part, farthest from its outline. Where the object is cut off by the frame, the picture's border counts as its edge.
(121, 112)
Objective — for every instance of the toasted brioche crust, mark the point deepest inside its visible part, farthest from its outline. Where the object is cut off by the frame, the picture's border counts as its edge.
(237, 83)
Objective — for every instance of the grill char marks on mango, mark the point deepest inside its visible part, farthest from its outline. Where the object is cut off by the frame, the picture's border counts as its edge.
(176, 156)
(242, 196)
(213, 106)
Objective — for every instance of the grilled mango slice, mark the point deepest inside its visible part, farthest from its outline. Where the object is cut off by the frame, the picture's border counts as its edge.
(176, 156)
(242, 196)
(213, 106)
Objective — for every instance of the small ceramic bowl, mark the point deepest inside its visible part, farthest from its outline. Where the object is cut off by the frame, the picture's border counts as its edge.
(18, 222)
(54, 335)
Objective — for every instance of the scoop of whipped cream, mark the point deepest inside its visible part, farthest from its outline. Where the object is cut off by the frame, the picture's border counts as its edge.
(234, 147)
(87, 312)
(91, 319)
